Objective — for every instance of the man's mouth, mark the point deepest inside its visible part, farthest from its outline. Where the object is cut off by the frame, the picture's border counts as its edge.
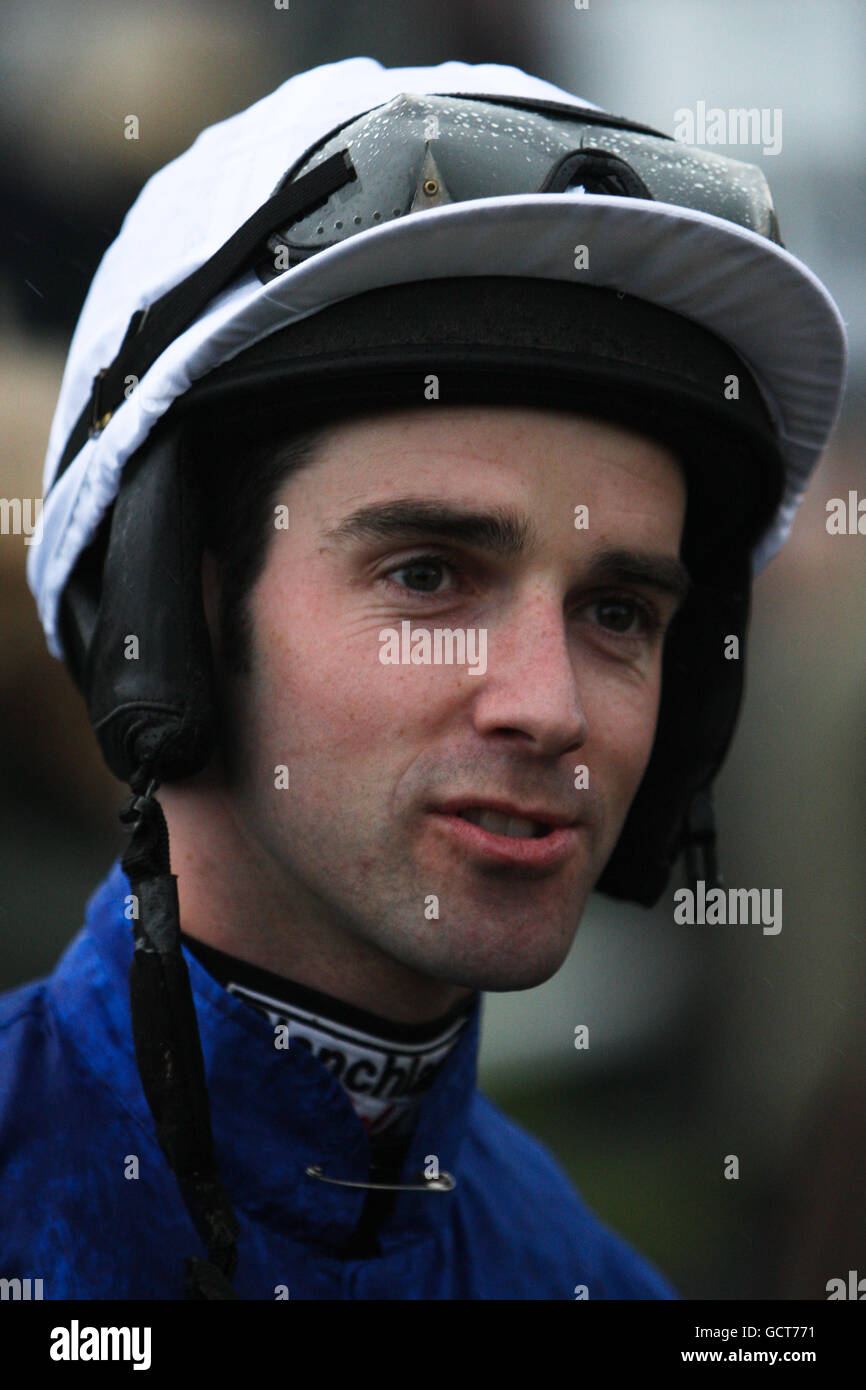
(492, 831)
(499, 816)
(516, 827)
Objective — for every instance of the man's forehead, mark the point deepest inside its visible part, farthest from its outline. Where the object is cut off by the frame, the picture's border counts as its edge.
(440, 426)
(542, 450)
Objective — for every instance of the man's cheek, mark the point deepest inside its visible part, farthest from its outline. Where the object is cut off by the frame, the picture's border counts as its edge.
(333, 706)
(620, 746)
(637, 738)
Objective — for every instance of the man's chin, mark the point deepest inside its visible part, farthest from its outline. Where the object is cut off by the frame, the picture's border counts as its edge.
(493, 951)
(507, 972)
(499, 979)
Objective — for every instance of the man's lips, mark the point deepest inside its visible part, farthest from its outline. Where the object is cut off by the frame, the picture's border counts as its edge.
(556, 843)
(540, 814)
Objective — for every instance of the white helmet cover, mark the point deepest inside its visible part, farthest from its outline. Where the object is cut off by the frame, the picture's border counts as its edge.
(734, 281)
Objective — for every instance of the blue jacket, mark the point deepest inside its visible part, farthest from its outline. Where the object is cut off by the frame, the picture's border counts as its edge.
(73, 1114)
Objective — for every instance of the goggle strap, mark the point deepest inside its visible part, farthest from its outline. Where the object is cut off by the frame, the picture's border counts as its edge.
(153, 329)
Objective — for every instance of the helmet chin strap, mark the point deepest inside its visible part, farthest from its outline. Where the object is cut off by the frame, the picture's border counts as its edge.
(168, 1046)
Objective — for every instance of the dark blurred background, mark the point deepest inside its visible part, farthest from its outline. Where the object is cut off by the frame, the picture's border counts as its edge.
(704, 1041)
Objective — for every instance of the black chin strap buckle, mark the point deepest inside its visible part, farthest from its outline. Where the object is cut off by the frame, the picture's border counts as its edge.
(700, 842)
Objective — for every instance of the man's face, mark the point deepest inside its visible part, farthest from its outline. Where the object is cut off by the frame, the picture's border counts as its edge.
(460, 519)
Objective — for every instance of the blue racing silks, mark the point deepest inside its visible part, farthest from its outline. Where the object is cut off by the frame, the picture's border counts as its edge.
(89, 1206)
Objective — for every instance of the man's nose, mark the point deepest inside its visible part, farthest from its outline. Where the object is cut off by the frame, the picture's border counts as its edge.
(530, 688)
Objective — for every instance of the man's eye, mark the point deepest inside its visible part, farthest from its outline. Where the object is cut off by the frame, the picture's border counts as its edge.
(626, 617)
(423, 575)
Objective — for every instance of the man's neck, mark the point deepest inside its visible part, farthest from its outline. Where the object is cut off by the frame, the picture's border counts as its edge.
(384, 1067)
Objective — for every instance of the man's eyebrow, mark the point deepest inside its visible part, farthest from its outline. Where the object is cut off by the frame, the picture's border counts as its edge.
(662, 572)
(505, 533)
(502, 531)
